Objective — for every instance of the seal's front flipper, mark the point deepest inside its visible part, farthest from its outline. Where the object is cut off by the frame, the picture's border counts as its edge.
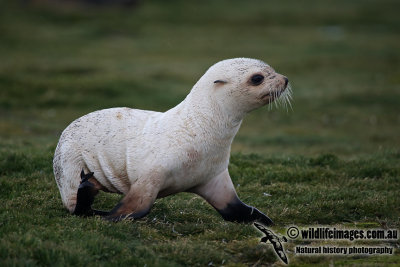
(237, 211)
(221, 194)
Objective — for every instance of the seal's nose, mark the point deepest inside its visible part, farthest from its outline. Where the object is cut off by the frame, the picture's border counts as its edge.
(286, 81)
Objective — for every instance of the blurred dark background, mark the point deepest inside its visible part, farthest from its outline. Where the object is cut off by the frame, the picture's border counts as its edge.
(62, 59)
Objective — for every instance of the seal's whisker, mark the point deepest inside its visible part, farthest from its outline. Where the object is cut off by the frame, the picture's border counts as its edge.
(289, 96)
(284, 99)
(288, 104)
(285, 102)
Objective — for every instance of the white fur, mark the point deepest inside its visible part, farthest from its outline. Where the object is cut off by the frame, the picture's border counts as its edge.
(187, 145)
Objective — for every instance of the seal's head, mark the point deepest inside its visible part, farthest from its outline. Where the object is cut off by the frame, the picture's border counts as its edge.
(244, 84)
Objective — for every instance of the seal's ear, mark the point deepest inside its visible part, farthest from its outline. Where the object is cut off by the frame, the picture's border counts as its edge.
(220, 81)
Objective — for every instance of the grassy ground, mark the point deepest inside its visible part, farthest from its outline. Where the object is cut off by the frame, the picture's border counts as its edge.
(333, 160)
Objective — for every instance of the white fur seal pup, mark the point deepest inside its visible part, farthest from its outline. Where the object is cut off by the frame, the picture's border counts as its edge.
(146, 155)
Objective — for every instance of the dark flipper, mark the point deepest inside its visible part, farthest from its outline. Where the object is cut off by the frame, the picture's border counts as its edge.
(85, 197)
(237, 211)
(221, 194)
(135, 204)
(124, 210)
(132, 216)
(100, 212)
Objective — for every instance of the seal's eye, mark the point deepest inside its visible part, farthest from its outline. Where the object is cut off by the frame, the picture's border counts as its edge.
(257, 79)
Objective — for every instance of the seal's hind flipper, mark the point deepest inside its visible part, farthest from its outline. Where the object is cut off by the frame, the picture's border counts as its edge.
(85, 196)
(100, 212)
(86, 177)
(85, 180)
(135, 204)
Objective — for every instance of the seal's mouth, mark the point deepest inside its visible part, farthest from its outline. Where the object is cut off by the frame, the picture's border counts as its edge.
(272, 95)
(281, 97)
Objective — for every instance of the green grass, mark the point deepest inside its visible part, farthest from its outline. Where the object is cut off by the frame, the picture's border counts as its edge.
(333, 160)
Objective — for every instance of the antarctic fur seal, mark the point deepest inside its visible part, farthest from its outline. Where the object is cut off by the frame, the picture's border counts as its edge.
(146, 155)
